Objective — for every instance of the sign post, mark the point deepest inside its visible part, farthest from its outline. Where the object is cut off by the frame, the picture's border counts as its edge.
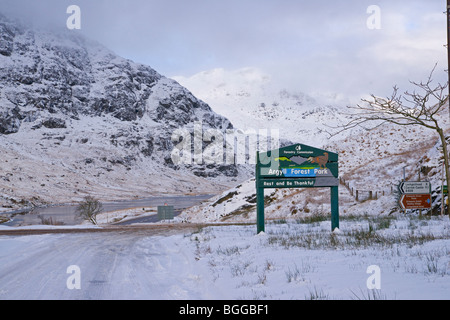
(411, 187)
(259, 200)
(334, 208)
(165, 212)
(415, 195)
(260, 210)
(415, 201)
(297, 166)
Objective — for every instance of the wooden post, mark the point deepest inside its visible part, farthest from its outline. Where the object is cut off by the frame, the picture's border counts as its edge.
(448, 47)
(442, 189)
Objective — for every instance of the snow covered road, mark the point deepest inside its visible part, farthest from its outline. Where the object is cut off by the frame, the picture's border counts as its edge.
(404, 257)
(132, 265)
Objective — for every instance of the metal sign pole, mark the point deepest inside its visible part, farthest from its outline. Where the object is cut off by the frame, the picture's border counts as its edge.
(259, 200)
(260, 210)
(334, 208)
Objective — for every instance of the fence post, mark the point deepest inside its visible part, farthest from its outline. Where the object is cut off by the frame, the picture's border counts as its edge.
(357, 195)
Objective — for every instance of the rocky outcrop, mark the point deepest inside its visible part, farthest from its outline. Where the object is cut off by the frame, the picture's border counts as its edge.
(51, 82)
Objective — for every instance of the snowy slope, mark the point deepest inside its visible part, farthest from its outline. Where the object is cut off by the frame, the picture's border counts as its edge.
(252, 100)
(76, 119)
(369, 160)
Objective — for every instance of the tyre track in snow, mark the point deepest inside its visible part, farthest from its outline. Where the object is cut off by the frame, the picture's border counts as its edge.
(151, 229)
(114, 265)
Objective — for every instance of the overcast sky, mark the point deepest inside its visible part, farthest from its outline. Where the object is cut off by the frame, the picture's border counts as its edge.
(313, 45)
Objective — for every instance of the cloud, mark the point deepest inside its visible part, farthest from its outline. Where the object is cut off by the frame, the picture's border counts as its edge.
(317, 45)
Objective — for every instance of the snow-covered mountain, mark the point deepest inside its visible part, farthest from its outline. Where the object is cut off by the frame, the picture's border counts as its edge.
(76, 119)
(374, 160)
(251, 99)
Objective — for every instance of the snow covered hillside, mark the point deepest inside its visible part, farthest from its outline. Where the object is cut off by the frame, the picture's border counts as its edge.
(370, 161)
(76, 119)
(251, 100)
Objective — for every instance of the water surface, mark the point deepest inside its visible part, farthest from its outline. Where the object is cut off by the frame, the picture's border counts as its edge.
(66, 215)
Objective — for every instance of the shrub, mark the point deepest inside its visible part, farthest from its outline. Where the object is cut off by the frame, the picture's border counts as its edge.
(89, 209)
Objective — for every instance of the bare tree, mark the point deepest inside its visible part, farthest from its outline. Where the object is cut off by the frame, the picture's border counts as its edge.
(89, 209)
(410, 109)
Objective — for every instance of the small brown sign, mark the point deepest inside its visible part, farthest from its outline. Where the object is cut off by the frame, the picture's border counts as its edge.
(415, 201)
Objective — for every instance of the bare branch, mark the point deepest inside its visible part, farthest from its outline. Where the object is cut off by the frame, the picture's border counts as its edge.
(89, 209)
(417, 108)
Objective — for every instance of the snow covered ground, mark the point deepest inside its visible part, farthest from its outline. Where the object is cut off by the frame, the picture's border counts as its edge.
(297, 258)
(293, 259)
(307, 261)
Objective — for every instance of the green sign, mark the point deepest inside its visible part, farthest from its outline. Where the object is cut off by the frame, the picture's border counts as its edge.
(165, 212)
(299, 150)
(291, 169)
(297, 183)
(297, 166)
